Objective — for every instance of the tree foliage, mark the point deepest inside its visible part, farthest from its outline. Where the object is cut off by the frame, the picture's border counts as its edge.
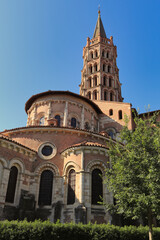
(134, 175)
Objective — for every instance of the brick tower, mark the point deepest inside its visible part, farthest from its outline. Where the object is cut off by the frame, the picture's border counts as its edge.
(100, 75)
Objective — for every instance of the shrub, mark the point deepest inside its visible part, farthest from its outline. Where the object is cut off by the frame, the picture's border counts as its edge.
(38, 230)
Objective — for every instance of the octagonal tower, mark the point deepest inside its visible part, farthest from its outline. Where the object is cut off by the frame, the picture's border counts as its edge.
(100, 74)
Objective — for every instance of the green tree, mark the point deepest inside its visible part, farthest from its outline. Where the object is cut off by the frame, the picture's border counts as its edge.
(134, 175)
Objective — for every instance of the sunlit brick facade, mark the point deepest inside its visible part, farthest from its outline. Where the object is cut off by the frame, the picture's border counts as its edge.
(54, 167)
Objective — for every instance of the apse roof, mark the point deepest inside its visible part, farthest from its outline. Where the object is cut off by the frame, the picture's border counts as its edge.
(68, 93)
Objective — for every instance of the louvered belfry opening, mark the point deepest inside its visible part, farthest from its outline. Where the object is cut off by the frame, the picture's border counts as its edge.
(12, 185)
(97, 186)
(71, 187)
(45, 189)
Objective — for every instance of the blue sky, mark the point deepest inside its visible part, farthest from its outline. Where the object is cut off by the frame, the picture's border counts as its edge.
(41, 43)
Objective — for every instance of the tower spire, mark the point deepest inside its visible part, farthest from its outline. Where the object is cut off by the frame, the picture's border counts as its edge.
(99, 29)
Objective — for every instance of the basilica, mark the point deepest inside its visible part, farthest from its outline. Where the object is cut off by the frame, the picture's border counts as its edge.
(53, 168)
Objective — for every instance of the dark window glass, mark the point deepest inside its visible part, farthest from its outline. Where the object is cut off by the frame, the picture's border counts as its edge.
(95, 67)
(87, 127)
(71, 187)
(95, 81)
(105, 95)
(109, 69)
(111, 134)
(91, 54)
(47, 150)
(102, 53)
(104, 80)
(41, 121)
(95, 95)
(120, 114)
(96, 54)
(110, 82)
(12, 185)
(104, 67)
(45, 189)
(110, 112)
(111, 97)
(89, 95)
(58, 120)
(107, 54)
(73, 122)
(97, 186)
(90, 69)
(90, 83)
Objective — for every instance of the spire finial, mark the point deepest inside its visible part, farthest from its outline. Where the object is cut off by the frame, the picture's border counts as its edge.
(99, 9)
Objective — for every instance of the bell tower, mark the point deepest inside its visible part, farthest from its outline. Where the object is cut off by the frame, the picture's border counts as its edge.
(100, 74)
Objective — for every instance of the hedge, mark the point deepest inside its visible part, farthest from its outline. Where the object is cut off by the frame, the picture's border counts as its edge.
(23, 230)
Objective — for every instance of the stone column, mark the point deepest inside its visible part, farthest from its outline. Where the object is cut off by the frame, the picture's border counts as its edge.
(34, 115)
(4, 184)
(49, 111)
(92, 123)
(82, 118)
(82, 177)
(65, 115)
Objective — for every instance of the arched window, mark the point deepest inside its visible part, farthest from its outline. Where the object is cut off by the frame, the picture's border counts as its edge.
(103, 53)
(91, 54)
(105, 95)
(97, 186)
(120, 114)
(110, 82)
(111, 96)
(90, 68)
(109, 69)
(89, 82)
(95, 95)
(41, 121)
(58, 120)
(107, 55)
(110, 112)
(73, 122)
(11, 189)
(104, 67)
(86, 126)
(95, 67)
(95, 81)
(45, 188)
(71, 187)
(89, 95)
(104, 81)
(96, 54)
(111, 133)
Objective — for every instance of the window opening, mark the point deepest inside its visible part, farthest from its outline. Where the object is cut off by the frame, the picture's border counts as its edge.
(111, 96)
(95, 81)
(12, 185)
(41, 121)
(86, 126)
(105, 95)
(110, 112)
(45, 189)
(58, 120)
(73, 122)
(89, 80)
(97, 186)
(71, 187)
(120, 114)
(95, 95)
